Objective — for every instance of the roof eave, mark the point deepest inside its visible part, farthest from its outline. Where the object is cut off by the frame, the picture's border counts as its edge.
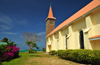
(96, 38)
(50, 18)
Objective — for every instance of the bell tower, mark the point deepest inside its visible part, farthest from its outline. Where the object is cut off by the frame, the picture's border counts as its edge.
(50, 22)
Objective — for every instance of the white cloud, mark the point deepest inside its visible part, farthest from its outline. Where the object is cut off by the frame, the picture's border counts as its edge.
(10, 33)
(5, 19)
(11, 21)
(41, 33)
(3, 27)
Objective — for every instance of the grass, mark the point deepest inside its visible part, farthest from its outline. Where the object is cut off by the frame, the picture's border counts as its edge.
(21, 60)
(24, 56)
(37, 59)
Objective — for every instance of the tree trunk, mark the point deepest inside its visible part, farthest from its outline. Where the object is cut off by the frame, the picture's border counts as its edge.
(30, 51)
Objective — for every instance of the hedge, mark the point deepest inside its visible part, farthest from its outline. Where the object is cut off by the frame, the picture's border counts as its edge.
(53, 52)
(81, 55)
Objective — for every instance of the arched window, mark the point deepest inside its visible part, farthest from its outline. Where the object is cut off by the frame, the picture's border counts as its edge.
(81, 40)
(66, 41)
(57, 44)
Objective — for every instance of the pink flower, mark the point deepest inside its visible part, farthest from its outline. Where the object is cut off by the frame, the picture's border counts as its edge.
(11, 54)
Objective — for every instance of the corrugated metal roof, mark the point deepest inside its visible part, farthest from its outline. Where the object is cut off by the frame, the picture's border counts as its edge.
(3, 42)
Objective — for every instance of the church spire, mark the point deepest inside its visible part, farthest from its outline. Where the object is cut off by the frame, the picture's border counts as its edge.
(50, 12)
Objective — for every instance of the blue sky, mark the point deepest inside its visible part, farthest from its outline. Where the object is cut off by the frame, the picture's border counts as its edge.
(17, 16)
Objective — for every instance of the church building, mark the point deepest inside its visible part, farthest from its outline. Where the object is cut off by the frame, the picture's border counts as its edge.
(80, 31)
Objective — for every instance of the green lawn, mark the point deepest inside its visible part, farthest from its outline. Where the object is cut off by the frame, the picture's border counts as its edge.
(21, 60)
(38, 59)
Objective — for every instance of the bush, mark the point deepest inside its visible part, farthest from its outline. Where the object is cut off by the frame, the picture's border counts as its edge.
(53, 52)
(2, 47)
(81, 55)
(43, 49)
(32, 51)
(8, 52)
(11, 44)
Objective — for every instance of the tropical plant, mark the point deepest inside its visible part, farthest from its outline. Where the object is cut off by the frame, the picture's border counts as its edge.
(43, 49)
(11, 44)
(4, 39)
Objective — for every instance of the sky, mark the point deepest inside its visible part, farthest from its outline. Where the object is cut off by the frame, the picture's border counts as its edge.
(17, 16)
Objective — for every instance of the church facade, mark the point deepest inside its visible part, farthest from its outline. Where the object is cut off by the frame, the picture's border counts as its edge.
(80, 31)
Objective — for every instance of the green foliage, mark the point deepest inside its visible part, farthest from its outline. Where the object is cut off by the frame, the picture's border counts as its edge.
(10, 43)
(81, 55)
(9, 51)
(2, 47)
(4, 39)
(43, 49)
(32, 51)
(53, 52)
(29, 42)
(60, 52)
(37, 47)
(32, 44)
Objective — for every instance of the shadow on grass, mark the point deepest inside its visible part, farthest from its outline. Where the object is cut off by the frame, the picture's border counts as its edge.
(36, 55)
(86, 63)
(41, 55)
(83, 62)
(10, 59)
(13, 58)
(0, 63)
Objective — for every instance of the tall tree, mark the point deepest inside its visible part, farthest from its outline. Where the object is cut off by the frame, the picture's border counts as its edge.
(31, 39)
(4, 39)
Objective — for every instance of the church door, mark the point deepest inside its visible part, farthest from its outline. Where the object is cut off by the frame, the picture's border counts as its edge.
(81, 40)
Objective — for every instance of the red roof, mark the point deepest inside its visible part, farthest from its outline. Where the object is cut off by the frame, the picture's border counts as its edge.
(81, 12)
(50, 12)
(94, 36)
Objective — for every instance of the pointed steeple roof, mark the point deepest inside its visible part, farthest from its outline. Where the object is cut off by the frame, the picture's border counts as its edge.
(50, 14)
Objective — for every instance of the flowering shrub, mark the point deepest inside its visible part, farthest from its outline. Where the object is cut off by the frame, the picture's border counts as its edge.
(9, 52)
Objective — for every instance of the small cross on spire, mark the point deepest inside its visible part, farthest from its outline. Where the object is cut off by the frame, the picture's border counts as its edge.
(50, 4)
